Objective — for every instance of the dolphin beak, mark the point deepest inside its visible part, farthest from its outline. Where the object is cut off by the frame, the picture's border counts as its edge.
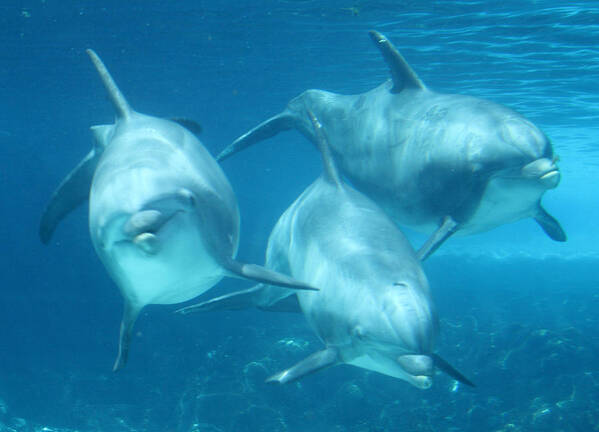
(544, 170)
(148, 243)
(421, 381)
(419, 368)
(551, 179)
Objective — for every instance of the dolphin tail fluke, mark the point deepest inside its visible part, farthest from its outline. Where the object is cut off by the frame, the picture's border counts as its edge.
(447, 228)
(550, 225)
(130, 314)
(401, 72)
(238, 300)
(73, 190)
(118, 100)
(317, 361)
(281, 122)
(444, 366)
(264, 275)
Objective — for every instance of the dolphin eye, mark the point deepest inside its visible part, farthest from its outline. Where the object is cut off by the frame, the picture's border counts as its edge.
(188, 197)
(400, 284)
(358, 332)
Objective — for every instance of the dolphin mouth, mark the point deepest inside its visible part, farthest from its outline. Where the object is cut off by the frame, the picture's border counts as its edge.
(147, 242)
(543, 170)
(551, 179)
(419, 369)
(142, 229)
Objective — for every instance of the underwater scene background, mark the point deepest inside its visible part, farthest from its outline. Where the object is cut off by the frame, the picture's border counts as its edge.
(518, 311)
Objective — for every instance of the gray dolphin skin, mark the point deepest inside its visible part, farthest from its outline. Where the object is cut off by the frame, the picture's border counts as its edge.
(163, 217)
(438, 163)
(374, 309)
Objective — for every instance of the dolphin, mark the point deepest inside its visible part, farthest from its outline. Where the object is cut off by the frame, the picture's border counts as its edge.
(163, 217)
(374, 309)
(438, 163)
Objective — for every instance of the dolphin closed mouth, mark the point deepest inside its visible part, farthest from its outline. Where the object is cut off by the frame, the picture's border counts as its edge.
(545, 170)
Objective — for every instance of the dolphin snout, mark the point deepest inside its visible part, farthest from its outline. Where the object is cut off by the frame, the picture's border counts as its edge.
(420, 369)
(544, 170)
(145, 221)
(416, 364)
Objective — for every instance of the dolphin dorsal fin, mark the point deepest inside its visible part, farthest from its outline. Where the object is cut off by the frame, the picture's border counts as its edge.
(401, 72)
(330, 169)
(118, 100)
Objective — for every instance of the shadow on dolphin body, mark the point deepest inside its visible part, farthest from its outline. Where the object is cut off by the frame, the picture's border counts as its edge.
(438, 163)
(374, 309)
(163, 217)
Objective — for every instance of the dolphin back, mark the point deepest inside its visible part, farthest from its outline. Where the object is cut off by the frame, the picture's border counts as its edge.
(118, 100)
(402, 74)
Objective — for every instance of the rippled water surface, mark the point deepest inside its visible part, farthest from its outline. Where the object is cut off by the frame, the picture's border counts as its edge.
(518, 311)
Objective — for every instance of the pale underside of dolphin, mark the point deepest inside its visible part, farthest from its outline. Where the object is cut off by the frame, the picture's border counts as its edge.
(373, 309)
(163, 217)
(435, 162)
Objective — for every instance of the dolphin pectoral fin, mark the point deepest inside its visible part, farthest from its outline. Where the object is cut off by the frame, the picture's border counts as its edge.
(264, 275)
(281, 122)
(315, 362)
(238, 300)
(130, 314)
(550, 225)
(401, 72)
(73, 190)
(442, 365)
(447, 228)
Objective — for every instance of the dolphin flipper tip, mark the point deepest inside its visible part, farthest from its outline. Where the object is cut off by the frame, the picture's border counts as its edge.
(313, 363)
(264, 275)
(238, 300)
(267, 129)
(550, 225)
(443, 365)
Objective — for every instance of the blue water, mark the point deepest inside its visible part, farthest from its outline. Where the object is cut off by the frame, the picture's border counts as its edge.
(518, 311)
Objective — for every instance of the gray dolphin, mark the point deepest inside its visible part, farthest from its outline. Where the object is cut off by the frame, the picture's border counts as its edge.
(163, 217)
(440, 163)
(374, 309)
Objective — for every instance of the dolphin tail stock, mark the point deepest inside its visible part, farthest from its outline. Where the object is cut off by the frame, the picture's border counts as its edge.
(118, 100)
(402, 74)
(330, 169)
(550, 225)
(436, 239)
(267, 129)
(130, 314)
(315, 362)
(71, 192)
(444, 366)
(263, 275)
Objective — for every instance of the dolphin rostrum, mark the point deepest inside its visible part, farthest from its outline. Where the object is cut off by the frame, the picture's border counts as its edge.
(163, 217)
(374, 309)
(440, 163)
